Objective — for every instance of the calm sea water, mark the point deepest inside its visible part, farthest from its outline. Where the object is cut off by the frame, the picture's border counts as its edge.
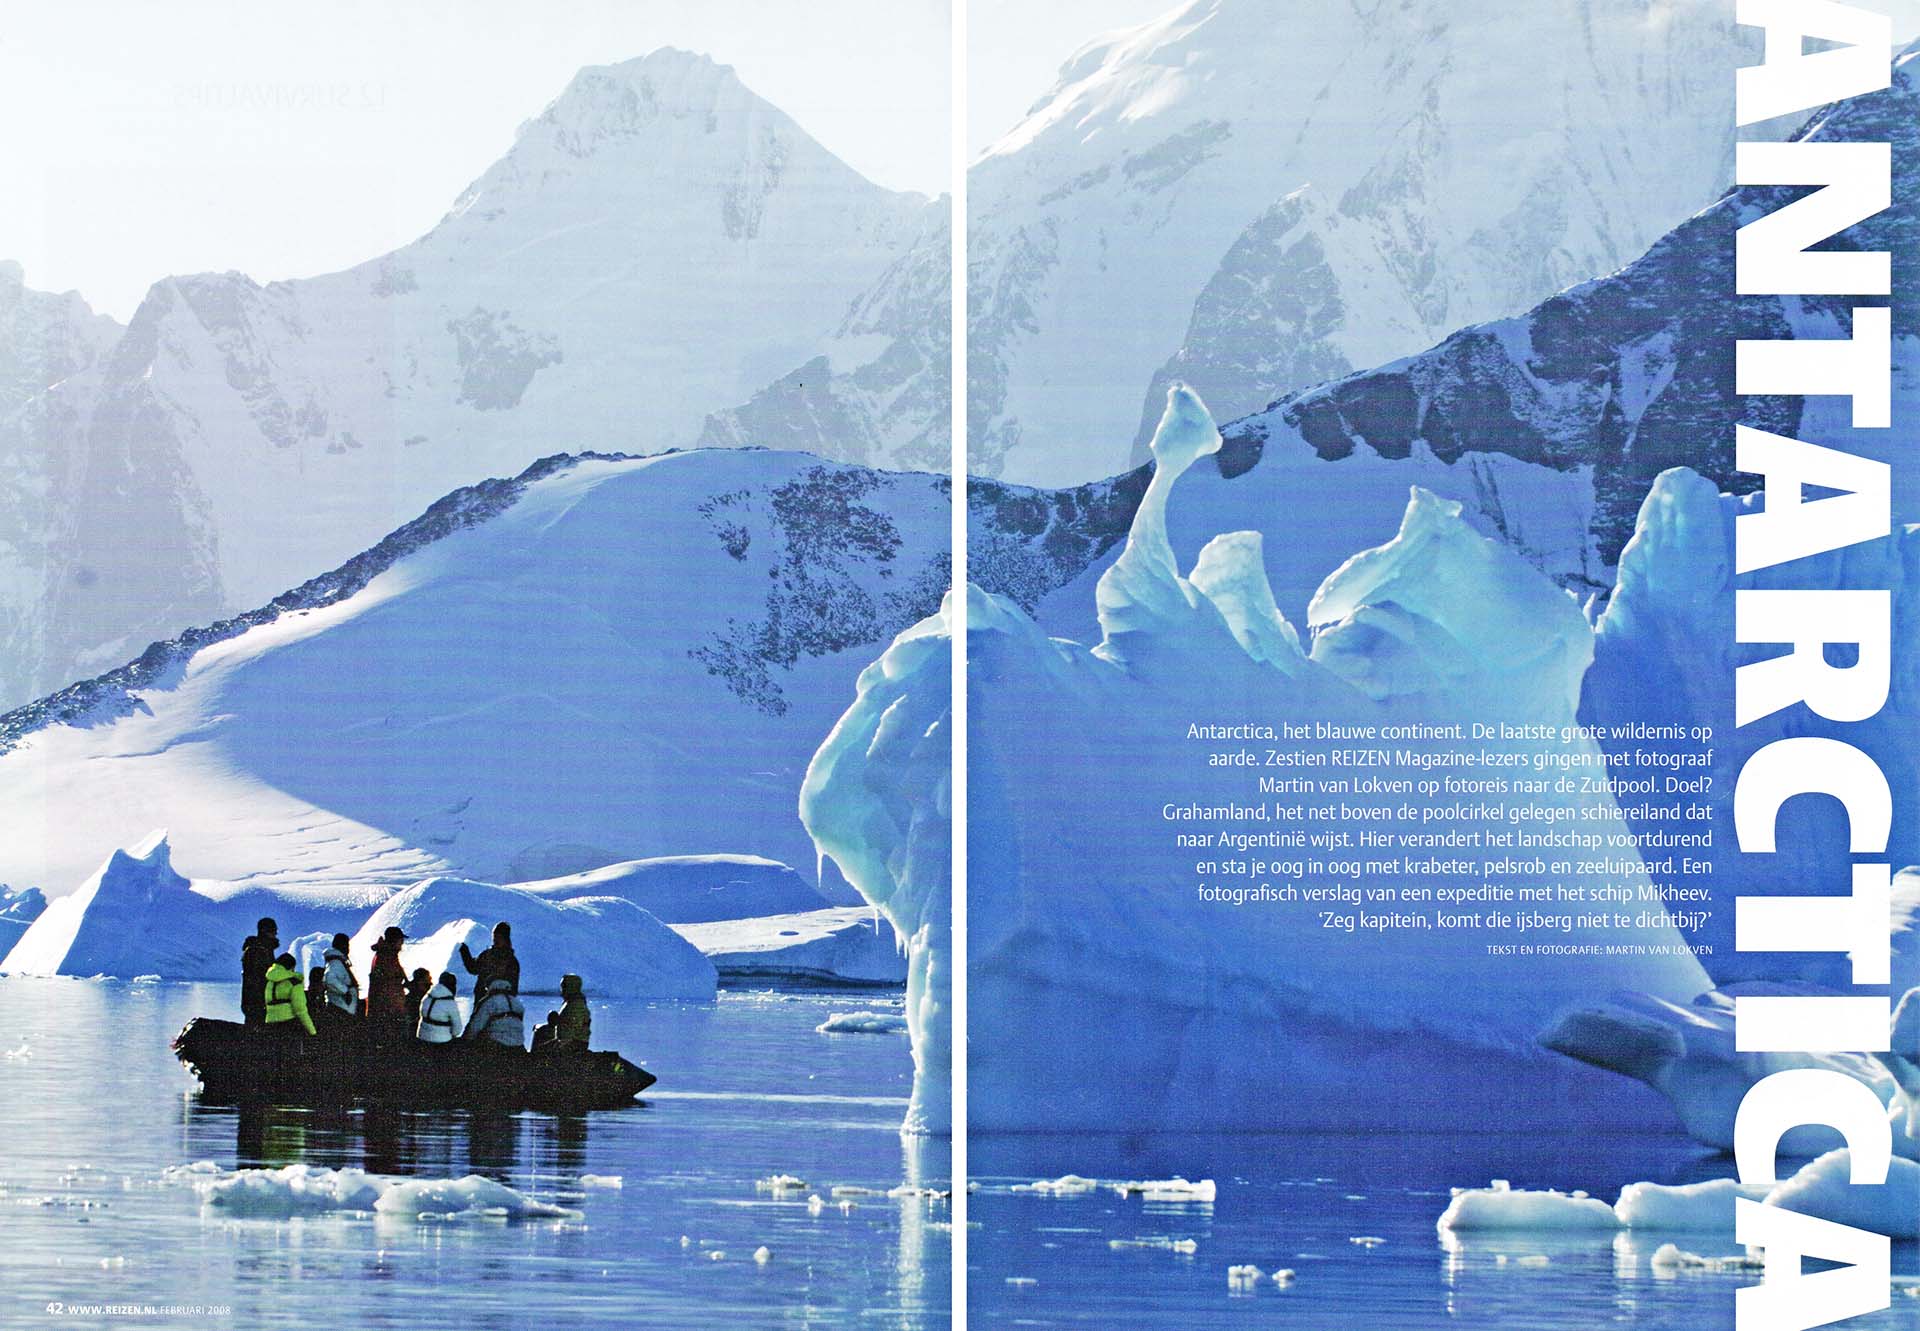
(95, 1108)
(1298, 1202)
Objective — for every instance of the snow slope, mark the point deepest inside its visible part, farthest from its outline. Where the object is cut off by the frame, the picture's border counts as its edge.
(658, 244)
(1119, 1001)
(135, 915)
(617, 949)
(1258, 203)
(19, 907)
(602, 660)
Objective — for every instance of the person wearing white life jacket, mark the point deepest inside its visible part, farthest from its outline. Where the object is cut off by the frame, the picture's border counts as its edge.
(499, 1017)
(343, 989)
(440, 1012)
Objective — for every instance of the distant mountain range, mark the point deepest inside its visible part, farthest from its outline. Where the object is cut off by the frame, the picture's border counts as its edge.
(658, 247)
(1255, 201)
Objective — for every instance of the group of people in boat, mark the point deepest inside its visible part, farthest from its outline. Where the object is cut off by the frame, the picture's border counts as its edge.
(272, 994)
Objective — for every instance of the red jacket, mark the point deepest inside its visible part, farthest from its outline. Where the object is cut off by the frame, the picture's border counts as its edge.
(387, 983)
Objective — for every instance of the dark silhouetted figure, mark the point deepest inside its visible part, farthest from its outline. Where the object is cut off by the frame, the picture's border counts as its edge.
(496, 963)
(417, 989)
(387, 980)
(574, 1028)
(256, 959)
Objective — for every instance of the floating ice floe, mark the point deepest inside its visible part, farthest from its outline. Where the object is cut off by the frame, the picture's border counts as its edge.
(1157, 1243)
(863, 1023)
(1671, 1258)
(762, 1255)
(602, 1181)
(779, 1183)
(1504, 1208)
(309, 1190)
(1067, 1185)
(1820, 1188)
(1168, 1190)
(841, 945)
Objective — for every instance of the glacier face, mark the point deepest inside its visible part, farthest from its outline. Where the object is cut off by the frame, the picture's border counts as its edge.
(657, 244)
(604, 659)
(1257, 205)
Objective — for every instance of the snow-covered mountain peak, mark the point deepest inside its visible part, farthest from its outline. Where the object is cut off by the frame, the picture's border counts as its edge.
(658, 245)
(1465, 163)
(606, 103)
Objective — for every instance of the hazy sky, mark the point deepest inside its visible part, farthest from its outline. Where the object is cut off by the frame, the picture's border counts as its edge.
(287, 139)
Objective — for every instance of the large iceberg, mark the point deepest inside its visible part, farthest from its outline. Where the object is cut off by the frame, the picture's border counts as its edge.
(136, 916)
(1665, 653)
(878, 799)
(1118, 999)
(618, 949)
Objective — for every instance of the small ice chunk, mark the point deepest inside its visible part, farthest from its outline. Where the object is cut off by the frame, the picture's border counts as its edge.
(853, 1190)
(847, 1207)
(1157, 1243)
(1243, 1277)
(602, 1181)
(685, 1242)
(780, 1183)
(1022, 1281)
(1535, 1259)
(1283, 1277)
(863, 1023)
(1671, 1258)
(1366, 1241)
(762, 1255)
(717, 1255)
(1168, 1190)
(814, 1205)
(1067, 1185)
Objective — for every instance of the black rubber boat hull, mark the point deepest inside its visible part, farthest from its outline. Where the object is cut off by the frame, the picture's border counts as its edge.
(356, 1061)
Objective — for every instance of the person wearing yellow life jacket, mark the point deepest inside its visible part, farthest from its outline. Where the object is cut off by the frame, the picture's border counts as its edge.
(286, 998)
